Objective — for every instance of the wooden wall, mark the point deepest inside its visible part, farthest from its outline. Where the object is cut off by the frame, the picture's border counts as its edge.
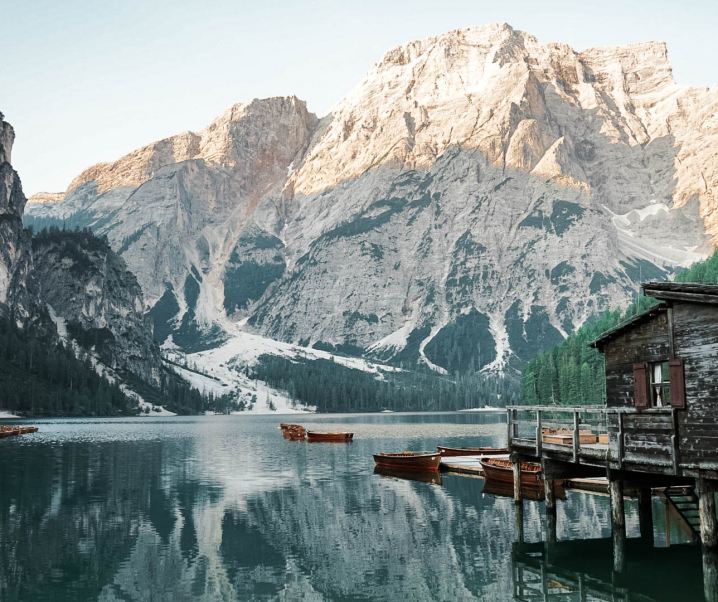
(647, 342)
(696, 342)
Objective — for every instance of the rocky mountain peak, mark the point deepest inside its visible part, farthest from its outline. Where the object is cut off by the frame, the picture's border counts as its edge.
(45, 198)
(7, 137)
(476, 196)
(244, 132)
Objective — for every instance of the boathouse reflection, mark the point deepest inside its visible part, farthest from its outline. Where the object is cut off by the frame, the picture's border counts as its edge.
(583, 570)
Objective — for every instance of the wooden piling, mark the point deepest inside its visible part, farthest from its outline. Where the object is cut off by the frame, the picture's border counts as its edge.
(710, 575)
(550, 498)
(707, 514)
(645, 515)
(519, 521)
(618, 524)
(517, 480)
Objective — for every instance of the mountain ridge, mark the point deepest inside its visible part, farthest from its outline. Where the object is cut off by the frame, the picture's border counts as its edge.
(474, 184)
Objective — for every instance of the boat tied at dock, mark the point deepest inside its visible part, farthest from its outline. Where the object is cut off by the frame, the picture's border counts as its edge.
(409, 460)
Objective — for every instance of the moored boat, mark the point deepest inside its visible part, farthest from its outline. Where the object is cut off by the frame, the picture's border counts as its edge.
(409, 460)
(501, 470)
(341, 436)
(11, 431)
(471, 451)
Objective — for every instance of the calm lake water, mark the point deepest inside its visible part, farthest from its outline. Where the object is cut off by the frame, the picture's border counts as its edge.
(223, 508)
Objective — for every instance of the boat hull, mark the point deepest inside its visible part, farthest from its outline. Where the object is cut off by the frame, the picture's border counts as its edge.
(448, 452)
(408, 461)
(501, 473)
(339, 437)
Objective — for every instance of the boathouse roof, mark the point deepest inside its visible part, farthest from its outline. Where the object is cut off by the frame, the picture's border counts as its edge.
(690, 292)
(682, 291)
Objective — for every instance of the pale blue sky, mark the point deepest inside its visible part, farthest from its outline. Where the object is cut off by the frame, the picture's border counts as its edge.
(88, 81)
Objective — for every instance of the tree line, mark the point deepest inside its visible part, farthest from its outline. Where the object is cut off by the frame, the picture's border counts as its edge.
(334, 387)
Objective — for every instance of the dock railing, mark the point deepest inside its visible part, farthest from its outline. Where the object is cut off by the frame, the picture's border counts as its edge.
(646, 437)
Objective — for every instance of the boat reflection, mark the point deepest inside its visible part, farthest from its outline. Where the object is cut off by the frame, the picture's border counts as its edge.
(501, 489)
(583, 570)
(421, 476)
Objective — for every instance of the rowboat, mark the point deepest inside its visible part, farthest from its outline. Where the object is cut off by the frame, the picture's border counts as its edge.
(500, 470)
(286, 427)
(341, 436)
(11, 431)
(422, 476)
(409, 460)
(471, 451)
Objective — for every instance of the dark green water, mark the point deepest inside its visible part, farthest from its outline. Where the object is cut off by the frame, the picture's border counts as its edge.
(223, 508)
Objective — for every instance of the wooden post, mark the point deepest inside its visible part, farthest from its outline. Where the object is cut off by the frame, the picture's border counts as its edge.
(515, 422)
(509, 428)
(645, 515)
(710, 575)
(539, 435)
(519, 521)
(618, 524)
(517, 479)
(576, 436)
(707, 513)
(550, 497)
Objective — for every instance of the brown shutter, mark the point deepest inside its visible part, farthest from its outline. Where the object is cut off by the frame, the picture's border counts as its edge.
(678, 384)
(640, 385)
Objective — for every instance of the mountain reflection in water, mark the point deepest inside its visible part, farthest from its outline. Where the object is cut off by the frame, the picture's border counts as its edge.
(223, 508)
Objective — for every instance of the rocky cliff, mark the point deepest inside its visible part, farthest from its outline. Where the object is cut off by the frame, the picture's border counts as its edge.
(71, 284)
(477, 196)
(15, 259)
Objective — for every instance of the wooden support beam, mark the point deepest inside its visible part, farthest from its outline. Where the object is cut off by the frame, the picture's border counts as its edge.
(710, 575)
(576, 437)
(645, 515)
(550, 496)
(517, 480)
(618, 524)
(519, 521)
(539, 434)
(707, 514)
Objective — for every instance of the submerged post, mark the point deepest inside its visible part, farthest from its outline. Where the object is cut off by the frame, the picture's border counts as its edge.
(645, 515)
(710, 575)
(517, 479)
(550, 497)
(519, 521)
(618, 523)
(707, 514)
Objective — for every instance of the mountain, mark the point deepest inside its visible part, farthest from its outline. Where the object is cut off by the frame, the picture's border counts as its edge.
(475, 198)
(14, 241)
(68, 305)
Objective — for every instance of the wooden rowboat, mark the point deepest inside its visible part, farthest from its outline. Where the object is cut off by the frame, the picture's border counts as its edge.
(500, 470)
(409, 460)
(286, 427)
(471, 451)
(340, 436)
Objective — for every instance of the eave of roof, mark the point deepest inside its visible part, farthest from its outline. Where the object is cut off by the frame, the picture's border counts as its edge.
(690, 292)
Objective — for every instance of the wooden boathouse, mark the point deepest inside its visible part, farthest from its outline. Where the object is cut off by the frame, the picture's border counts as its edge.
(659, 427)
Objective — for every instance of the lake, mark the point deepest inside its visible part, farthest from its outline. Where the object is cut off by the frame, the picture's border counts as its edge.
(224, 508)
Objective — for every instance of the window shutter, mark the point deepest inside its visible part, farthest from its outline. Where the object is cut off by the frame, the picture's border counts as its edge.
(640, 385)
(678, 384)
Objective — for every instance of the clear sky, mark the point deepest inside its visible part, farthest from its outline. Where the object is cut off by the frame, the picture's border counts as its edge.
(84, 81)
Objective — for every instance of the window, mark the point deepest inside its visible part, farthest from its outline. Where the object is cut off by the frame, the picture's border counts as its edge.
(660, 385)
